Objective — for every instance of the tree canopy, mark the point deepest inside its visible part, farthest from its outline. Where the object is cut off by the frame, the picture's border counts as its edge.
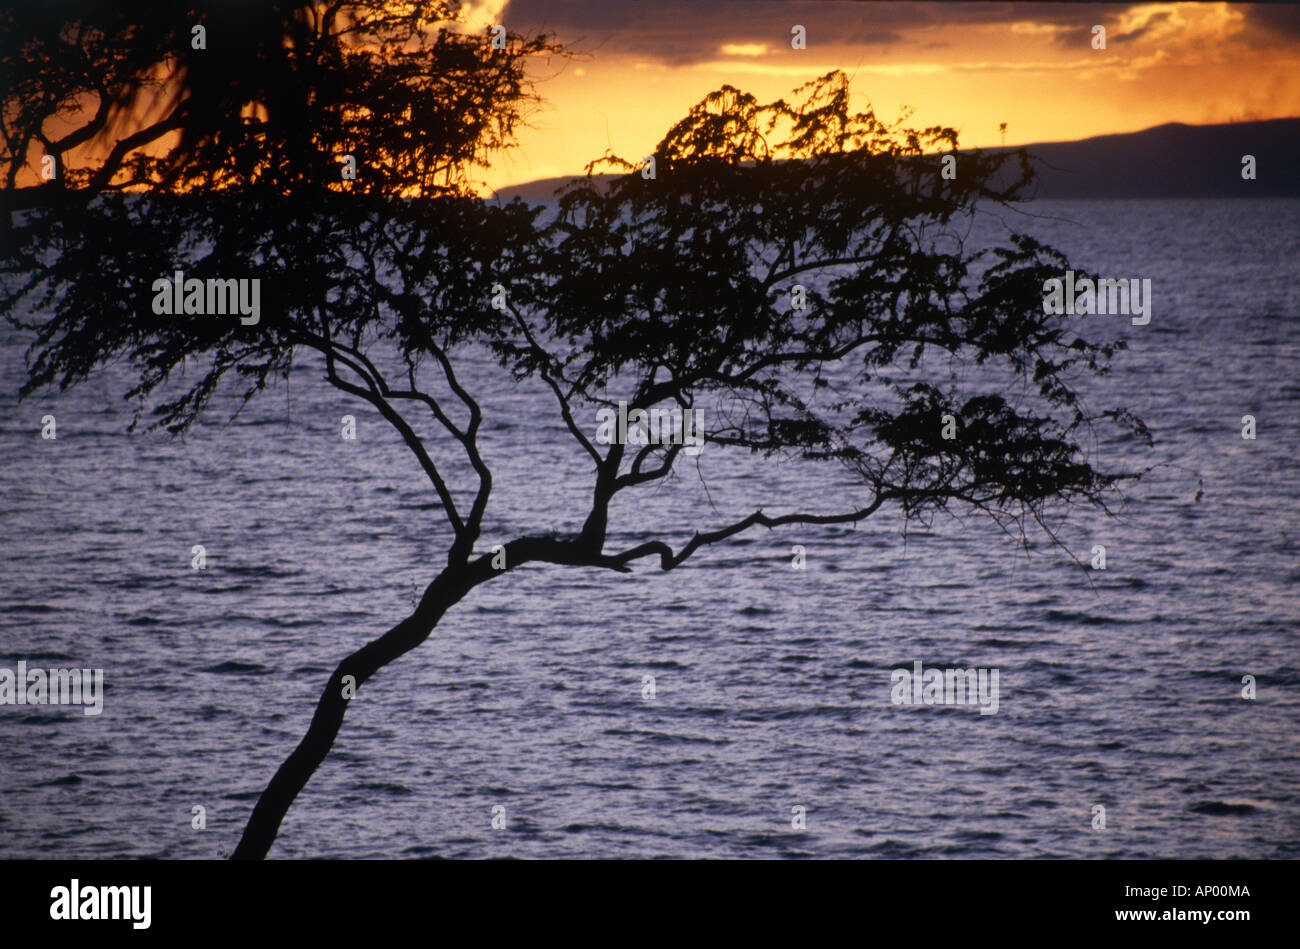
(123, 98)
(793, 265)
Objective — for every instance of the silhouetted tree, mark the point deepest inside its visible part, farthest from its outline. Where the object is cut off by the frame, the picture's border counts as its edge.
(118, 94)
(664, 290)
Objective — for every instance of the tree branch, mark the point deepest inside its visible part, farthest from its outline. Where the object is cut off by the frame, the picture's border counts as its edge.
(668, 560)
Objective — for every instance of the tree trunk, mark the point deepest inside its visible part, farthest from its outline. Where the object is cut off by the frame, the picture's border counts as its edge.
(444, 592)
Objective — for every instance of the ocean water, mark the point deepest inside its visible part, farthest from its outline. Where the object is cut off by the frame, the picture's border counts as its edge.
(1119, 688)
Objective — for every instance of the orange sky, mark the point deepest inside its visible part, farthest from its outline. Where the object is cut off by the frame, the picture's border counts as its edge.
(643, 63)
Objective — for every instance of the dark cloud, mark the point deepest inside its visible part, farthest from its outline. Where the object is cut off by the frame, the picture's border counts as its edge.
(680, 32)
(1271, 23)
(1267, 25)
(685, 31)
(1141, 31)
(1075, 22)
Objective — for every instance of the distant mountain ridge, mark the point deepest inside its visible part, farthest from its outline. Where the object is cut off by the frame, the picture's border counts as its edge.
(1168, 161)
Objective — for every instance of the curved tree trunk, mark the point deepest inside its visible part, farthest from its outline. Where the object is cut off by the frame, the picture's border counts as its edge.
(444, 592)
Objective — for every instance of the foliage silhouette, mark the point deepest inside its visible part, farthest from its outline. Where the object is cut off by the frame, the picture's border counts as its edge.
(668, 291)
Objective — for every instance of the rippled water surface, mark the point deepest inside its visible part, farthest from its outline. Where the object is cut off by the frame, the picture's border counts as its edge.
(773, 685)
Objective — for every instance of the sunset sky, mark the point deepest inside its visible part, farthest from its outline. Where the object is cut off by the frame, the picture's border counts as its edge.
(641, 64)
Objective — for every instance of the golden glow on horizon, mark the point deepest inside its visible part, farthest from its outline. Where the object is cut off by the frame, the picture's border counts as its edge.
(1165, 62)
(1196, 63)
